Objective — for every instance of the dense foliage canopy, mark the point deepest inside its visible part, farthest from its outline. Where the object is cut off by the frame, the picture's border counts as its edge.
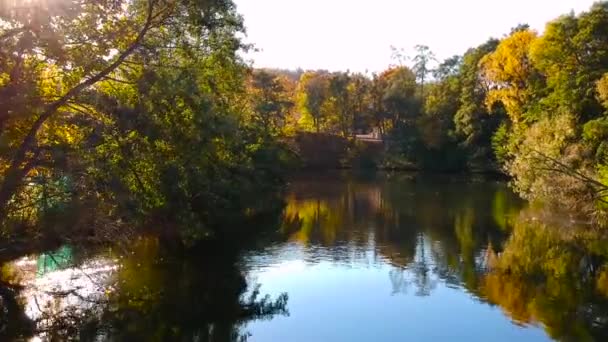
(130, 111)
(144, 110)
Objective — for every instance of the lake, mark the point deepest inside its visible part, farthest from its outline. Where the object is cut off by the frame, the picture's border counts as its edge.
(385, 257)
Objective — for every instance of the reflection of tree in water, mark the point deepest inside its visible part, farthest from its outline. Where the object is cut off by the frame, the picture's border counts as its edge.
(391, 218)
(555, 276)
(417, 274)
(203, 296)
(14, 323)
(471, 236)
(159, 295)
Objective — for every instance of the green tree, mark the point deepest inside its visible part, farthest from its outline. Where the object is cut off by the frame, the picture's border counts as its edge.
(54, 57)
(441, 103)
(272, 101)
(359, 90)
(399, 97)
(403, 107)
(474, 122)
(573, 55)
(424, 56)
(140, 111)
(340, 102)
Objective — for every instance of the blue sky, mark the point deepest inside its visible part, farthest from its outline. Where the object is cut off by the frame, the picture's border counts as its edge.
(357, 34)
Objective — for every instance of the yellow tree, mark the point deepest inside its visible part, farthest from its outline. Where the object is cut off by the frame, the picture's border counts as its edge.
(602, 89)
(510, 73)
(312, 94)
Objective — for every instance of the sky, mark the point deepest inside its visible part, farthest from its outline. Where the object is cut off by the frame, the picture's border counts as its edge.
(356, 35)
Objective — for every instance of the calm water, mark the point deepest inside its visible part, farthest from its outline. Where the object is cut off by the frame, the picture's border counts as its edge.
(382, 258)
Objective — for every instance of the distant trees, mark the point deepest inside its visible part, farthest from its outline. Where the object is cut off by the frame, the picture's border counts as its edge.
(424, 56)
(312, 94)
(533, 106)
(272, 101)
(334, 102)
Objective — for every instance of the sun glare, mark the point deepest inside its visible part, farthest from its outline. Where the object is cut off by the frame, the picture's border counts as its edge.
(26, 4)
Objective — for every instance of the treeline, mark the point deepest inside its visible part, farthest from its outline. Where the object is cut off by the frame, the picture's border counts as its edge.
(119, 114)
(433, 118)
(531, 105)
(144, 111)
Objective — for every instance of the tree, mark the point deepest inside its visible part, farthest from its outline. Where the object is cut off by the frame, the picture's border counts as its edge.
(378, 111)
(399, 96)
(512, 76)
(602, 90)
(339, 102)
(271, 101)
(424, 56)
(402, 107)
(573, 55)
(440, 105)
(312, 94)
(359, 90)
(53, 56)
(551, 88)
(449, 67)
(474, 123)
(140, 110)
(399, 56)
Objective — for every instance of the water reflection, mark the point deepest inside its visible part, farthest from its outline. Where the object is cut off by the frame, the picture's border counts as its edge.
(376, 258)
(553, 274)
(438, 227)
(432, 234)
(147, 294)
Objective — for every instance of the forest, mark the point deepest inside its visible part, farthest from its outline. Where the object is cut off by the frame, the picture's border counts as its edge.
(132, 112)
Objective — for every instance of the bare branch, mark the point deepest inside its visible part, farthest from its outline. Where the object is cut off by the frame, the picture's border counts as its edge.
(568, 170)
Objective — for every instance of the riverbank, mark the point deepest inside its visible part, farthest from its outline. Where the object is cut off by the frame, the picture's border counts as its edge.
(320, 151)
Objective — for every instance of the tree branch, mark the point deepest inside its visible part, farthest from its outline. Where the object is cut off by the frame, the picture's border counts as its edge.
(15, 173)
(570, 171)
(13, 32)
(109, 78)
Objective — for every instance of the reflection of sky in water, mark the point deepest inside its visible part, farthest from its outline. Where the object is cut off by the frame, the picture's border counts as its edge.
(359, 266)
(369, 299)
(53, 284)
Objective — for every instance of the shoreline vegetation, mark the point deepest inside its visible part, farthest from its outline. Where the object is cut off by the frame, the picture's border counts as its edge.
(122, 115)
